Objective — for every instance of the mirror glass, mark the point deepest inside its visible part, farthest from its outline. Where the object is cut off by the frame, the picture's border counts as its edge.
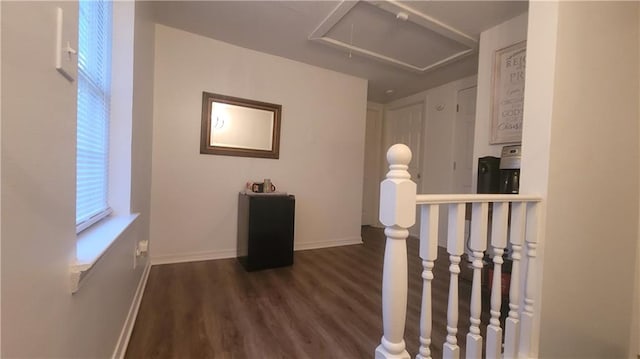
(233, 126)
(241, 127)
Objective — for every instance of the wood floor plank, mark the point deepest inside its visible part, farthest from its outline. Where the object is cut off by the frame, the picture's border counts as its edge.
(327, 305)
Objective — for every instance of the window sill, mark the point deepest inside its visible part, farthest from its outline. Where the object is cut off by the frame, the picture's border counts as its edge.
(94, 242)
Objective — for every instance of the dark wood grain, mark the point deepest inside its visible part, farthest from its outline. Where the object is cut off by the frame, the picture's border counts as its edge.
(327, 305)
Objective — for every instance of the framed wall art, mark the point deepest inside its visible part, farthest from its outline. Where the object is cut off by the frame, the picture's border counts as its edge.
(508, 94)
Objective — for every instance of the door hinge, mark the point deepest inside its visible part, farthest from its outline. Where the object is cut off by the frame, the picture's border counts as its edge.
(457, 108)
(454, 165)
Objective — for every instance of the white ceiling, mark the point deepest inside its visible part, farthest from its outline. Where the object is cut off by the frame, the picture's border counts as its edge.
(435, 44)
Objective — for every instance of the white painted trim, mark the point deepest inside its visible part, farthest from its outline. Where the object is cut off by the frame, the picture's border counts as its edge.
(428, 22)
(123, 341)
(392, 61)
(332, 19)
(93, 243)
(232, 253)
(475, 198)
(193, 256)
(326, 244)
(375, 106)
(394, 7)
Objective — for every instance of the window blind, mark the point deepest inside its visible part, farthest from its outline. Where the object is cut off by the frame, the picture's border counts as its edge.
(94, 86)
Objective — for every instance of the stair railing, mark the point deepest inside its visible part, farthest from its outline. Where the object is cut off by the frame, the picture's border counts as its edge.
(513, 220)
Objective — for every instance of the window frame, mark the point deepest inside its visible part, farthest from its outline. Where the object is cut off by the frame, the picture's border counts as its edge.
(96, 81)
(98, 239)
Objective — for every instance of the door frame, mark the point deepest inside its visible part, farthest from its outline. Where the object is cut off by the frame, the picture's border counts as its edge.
(454, 143)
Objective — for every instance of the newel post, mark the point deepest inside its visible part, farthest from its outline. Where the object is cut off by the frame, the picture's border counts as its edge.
(397, 213)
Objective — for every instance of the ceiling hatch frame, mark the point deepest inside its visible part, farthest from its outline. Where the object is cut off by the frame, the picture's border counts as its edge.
(395, 8)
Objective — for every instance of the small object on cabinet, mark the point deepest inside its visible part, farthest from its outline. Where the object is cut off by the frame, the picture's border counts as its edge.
(264, 187)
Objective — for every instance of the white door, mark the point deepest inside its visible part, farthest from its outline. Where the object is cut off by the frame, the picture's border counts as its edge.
(372, 160)
(463, 140)
(404, 125)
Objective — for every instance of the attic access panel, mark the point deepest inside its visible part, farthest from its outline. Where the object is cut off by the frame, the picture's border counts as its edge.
(395, 34)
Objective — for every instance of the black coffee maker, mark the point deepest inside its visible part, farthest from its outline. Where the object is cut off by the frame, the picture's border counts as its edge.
(510, 169)
(489, 174)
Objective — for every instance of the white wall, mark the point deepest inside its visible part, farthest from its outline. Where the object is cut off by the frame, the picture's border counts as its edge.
(635, 330)
(590, 232)
(634, 346)
(40, 317)
(0, 176)
(142, 129)
(538, 108)
(194, 196)
(437, 167)
(498, 37)
(437, 160)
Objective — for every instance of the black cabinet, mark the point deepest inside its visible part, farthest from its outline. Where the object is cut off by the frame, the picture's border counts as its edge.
(265, 230)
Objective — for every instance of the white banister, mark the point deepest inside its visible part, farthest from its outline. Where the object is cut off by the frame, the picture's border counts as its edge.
(513, 218)
(531, 239)
(477, 244)
(428, 252)
(397, 213)
(498, 243)
(473, 198)
(455, 248)
(512, 325)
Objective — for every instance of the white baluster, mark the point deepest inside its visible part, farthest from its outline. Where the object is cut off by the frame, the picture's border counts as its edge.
(455, 247)
(428, 252)
(512, 325)
(478, 244)
(498, 243)
(531, 238)
(397, 213)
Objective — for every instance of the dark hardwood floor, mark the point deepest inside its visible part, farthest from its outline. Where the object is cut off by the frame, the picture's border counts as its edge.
(327, 305)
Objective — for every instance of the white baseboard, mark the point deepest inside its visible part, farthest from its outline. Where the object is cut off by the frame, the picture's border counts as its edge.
(232, 253)
(193, 256)
(125, 334)
(326, 244)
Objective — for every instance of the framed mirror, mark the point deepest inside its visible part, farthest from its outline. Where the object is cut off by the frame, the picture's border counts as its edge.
(233, 126)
